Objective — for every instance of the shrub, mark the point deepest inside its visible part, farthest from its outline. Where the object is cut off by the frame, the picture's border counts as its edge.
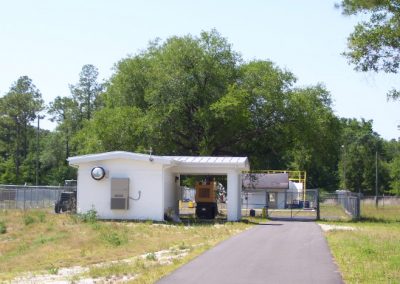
(151, 256)
(3, 228)
(41, 217)
(90, 216)
(113, 238)
(53, 270)
(28, 219)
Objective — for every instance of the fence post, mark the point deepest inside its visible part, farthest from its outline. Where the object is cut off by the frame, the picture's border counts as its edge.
(358, 206)
(317, 198)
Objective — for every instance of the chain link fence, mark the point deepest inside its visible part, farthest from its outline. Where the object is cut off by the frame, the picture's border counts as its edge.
(342, 205)
(381, 200)
(281, 204)
(26, 197)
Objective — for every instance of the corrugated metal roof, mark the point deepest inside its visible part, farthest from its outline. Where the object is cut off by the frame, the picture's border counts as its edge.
(210, 160)
(236, 162)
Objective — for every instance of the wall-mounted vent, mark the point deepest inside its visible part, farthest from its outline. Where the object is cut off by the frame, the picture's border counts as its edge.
(120, 193)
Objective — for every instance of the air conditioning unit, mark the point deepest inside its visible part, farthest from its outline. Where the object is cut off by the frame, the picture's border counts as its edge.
(120, 193)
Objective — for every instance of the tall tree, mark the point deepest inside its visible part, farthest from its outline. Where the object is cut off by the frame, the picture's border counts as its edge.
(357, 164)
(195, 96)
(18, 108)
(86, 91)
(64, 111)
(375, 43)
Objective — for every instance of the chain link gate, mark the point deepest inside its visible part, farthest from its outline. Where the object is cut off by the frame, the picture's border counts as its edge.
(293, 205)
(281, 204)
(341, 205)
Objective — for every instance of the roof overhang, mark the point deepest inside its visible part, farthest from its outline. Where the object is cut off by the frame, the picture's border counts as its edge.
(237, 163)
(198, 162)
(77, 160)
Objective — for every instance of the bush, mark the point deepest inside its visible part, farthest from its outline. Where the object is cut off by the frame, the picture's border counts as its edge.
(42, 217)
(3, 228)
(151, 256)
(114, 238)
(28, 219)
(90, 216)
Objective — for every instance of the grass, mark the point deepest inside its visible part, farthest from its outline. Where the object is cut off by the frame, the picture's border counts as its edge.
(42, 242)
(385, 213)
(333, 212)
(371, 252)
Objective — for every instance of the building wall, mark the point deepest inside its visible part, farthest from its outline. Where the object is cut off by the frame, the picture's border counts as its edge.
(170, 191)
(255, 200)
(143, 176)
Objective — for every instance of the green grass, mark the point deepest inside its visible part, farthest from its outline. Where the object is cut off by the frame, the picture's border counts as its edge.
(371, 253)
(47, 242)
(385, 213)
(333, 212)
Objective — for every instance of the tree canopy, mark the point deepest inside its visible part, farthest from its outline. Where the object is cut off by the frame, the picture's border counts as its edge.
(194, 95)
(374, 44)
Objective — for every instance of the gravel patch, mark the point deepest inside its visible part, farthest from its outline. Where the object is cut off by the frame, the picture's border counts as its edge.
(327, 228)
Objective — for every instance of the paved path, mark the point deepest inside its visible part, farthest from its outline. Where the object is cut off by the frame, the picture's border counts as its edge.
(277, 252)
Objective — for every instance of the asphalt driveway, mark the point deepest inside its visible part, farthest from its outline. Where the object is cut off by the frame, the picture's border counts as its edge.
(277, 252)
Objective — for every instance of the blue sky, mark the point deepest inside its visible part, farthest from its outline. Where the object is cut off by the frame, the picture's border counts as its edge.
(50, 41)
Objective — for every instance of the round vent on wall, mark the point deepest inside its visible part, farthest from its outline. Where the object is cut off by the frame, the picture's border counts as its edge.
(98, 173)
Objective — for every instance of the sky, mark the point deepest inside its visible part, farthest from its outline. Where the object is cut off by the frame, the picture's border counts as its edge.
(50, 41)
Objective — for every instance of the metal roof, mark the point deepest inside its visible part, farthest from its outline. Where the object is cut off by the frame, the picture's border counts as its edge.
(192, 161)
(202, 161)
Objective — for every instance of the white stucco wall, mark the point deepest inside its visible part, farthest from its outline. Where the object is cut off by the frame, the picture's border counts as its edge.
(256, 200)
(143, 176)
(170, 191)
(154, 176)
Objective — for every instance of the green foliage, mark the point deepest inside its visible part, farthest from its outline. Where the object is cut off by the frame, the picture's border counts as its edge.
(18, 109)
(194, 95)
(53, 270)
(28, 219)
(114, 238)
(151, 256)
(41, 216)
(89, 216)
(3, 227)
(357, 164)
(394, 170)
(374, 44)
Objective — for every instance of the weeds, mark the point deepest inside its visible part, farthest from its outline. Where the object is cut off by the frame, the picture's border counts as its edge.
(41, 216)
(89, 217)
(151, 256)
(113, 238)
(28, 220)
(53, 270)
(183, 246)
(64, 240)
(3, 227)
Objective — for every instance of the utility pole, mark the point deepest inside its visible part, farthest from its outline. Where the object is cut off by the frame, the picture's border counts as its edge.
(376, 178)
(39, 117)
(344, 166)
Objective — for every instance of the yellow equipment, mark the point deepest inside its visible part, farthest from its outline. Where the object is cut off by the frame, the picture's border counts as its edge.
(206, 200)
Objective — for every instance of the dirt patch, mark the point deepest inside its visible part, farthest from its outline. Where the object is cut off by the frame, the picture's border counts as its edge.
(327, 228)
(65, 275)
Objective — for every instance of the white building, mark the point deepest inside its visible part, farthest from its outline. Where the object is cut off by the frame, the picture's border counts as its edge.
(124, 185)
(274, 190)
(274, 198)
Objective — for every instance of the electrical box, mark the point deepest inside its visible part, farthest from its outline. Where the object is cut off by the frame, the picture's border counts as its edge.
(120, 193)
